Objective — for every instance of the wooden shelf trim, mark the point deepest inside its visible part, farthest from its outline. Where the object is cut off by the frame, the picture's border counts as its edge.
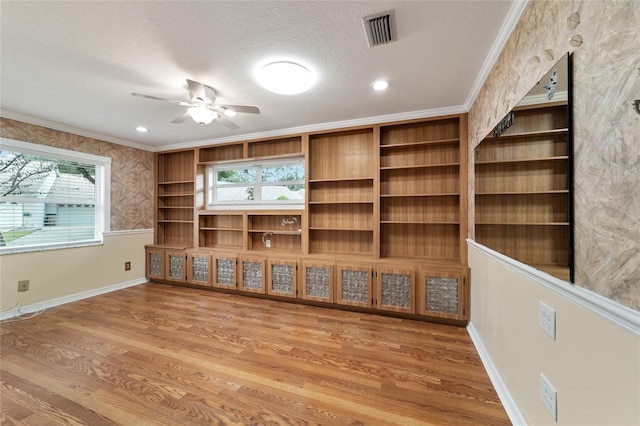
(274, 232)
(174, 221)
(181, 194)
(264, 157)
(420, 222)
(352, 179)
(524, 135)
(340, 202)
(524, 160)
(175, 182)
(443, 194)
(550, 191)
(316, 228)
(523, 223)
(220, 229)
(421, 166)
(419, 143)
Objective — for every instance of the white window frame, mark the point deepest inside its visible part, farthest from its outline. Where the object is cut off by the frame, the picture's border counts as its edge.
(257, 203)
(102, 200)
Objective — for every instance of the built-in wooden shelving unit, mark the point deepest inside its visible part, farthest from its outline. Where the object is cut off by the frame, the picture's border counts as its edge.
(384, 221)
(522, 185)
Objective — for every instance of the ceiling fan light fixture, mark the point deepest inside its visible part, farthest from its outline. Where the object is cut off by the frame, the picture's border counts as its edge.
(230, 113)
(202, 115)
(285, 78)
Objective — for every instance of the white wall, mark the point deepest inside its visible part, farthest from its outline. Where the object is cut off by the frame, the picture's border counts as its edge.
(61, 274)
(594, 364)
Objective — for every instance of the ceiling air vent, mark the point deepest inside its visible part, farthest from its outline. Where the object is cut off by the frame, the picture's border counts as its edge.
(380, 28)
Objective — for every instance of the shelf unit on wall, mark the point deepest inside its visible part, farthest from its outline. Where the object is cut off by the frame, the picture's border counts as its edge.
(422, 189)
(341, 170)
(522, 185)
(175, 192)
(382, 203)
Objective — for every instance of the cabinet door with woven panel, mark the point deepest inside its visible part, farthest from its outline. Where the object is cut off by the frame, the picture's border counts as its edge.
(252, 274)
(155, 263)
(199, 267)
(395, 290)
(354, 285)
(224, 271)
(318, 281)
(176, 266)
(442, 295)
(282, 277)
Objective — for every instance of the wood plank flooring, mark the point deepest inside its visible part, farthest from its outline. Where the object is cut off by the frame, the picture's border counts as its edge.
(164, 355)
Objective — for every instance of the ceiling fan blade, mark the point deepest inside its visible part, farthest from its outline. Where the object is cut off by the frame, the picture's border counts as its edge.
(230, 124)
(155, 98)
(248, 109)
(181, 118)
(197, 92)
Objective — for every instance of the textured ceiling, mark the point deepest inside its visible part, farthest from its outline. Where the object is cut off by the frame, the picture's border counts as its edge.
(73, 65)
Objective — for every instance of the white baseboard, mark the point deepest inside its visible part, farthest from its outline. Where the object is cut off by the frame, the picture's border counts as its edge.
(501, 389)
(68, 299)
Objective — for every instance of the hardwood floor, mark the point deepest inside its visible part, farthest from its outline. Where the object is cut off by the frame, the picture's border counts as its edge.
(163, 355)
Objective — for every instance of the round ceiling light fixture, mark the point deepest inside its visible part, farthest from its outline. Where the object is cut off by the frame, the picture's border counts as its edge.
(285, 78)
(142, 129)
(380, 85)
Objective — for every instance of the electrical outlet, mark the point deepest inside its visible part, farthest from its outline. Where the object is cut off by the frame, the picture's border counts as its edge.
(549, 396)
(127, 266)
(23, 285)
(547, 320)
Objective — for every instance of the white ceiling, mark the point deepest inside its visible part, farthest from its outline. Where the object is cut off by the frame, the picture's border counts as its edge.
(73, 65)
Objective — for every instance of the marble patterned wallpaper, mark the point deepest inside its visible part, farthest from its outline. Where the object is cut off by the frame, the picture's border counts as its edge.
(606, 129)
(131, 170)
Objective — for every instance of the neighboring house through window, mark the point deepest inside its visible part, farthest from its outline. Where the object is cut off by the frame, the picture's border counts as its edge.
(257, 184)
(51, 197)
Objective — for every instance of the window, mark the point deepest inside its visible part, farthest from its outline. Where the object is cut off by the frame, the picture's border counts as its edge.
(246, 184)
(51, 198)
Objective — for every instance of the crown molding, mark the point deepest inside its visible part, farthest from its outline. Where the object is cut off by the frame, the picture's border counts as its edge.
(509, 24)
(367, 121)
(70, 129)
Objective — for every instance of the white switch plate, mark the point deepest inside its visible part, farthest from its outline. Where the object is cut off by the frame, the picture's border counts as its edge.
(547, 320)
(549, 396)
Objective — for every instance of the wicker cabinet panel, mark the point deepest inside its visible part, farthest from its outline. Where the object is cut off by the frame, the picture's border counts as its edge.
(252, 275)
(282, 277)
(199, 268)
(318, 281)
(395, 290)
(354, 285)
(224, 272)
(176, 266)
(442, 295)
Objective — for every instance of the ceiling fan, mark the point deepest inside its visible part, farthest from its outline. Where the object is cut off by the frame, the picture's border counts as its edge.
(202, 107)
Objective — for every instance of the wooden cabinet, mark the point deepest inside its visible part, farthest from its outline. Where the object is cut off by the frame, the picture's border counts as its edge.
(175, 192)
(176, 261)
(155, 263)
(395, 289)
(421, 189)
(342, 167)
(224, 271)
(381, 202)
(522, 185)
(252, 274)
(318, 280)
(282, 277)
(442, 294)
(354, 285)
(199, 267)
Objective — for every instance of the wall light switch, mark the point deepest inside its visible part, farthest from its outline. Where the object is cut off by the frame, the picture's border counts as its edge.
(547, 320)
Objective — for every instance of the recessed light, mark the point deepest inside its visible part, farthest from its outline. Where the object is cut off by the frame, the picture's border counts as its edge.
(285, 78)
(380, 85)
(142, 129)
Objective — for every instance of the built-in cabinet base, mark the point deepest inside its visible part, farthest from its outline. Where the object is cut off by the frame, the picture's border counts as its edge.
(424, 290)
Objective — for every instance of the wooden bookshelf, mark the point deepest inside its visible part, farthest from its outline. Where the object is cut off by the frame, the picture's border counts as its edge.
(522, 185)
(420, 189)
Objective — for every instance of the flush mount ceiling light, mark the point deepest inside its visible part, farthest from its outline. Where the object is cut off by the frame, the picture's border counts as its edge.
(380, 85)
(201, 114)
(142, 129)
(285, 78)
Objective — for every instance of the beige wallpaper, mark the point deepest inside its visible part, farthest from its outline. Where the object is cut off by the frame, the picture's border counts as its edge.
(131, 170)
(607, 130)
